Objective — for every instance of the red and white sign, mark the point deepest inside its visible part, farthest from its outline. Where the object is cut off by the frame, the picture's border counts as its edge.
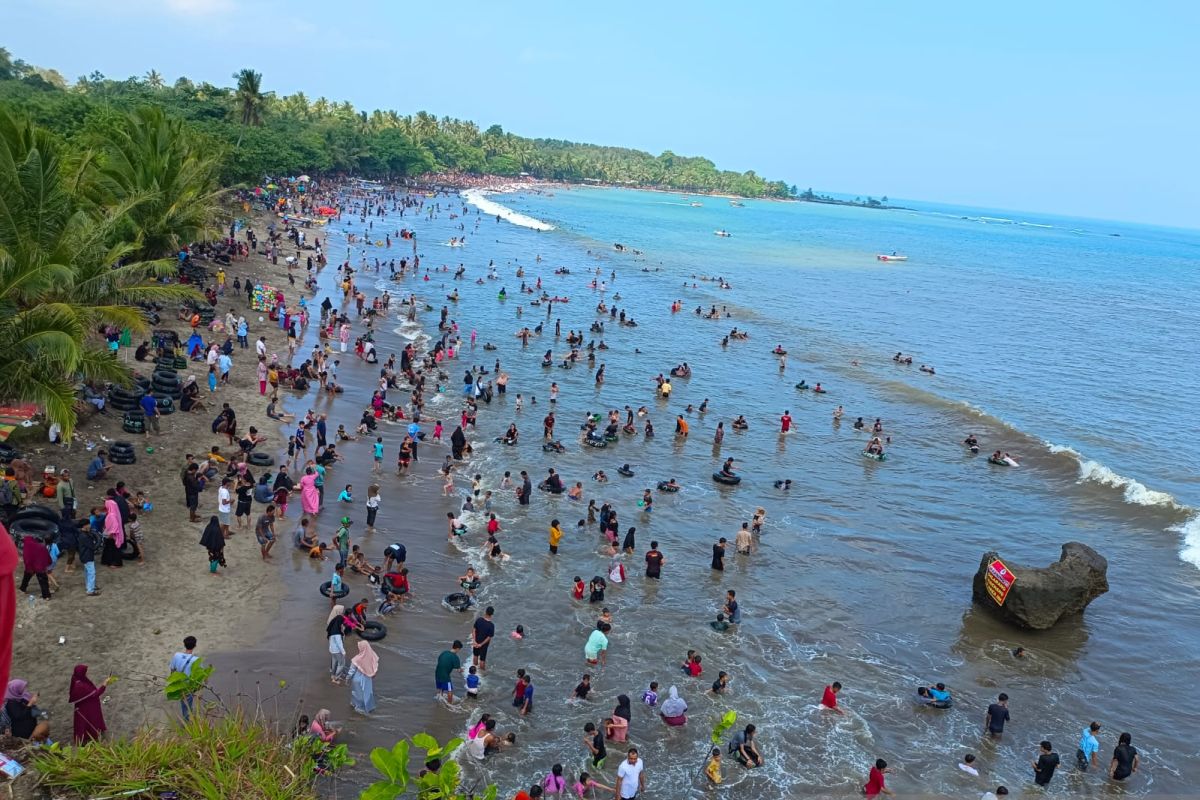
(998, 580)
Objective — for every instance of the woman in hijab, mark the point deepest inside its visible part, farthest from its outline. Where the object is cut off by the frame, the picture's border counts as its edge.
(114, 534)
(616, 727)
(336, 627)
(321, 728)
(214, 542)
(674, 709)
(616, 571)
(458, 443)
(310, 496)
(85, 696)
(362, 678)
(20, 706)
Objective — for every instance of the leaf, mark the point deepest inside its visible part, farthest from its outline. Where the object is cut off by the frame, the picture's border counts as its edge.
(389, 766)
(425, 742)
(381, 791)
(727, 721)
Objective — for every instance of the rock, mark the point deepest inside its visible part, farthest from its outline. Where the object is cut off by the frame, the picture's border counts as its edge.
(1038, 597)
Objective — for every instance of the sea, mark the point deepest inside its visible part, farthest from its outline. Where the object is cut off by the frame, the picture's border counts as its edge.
(1069, 344)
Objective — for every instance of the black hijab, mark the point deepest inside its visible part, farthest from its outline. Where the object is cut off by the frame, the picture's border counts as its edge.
(458, 438)
(212, 538)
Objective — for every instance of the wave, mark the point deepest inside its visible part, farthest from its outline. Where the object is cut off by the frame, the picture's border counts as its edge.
(1136, 493)
(478, 198)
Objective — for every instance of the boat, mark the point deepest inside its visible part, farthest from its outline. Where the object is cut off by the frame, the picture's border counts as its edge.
(892, 257)
(737, 204)
(722, 233)
(695, 205)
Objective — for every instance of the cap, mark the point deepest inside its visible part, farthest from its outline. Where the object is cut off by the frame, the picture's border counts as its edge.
(345, 520)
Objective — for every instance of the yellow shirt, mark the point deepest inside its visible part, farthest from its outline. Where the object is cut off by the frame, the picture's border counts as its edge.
(713, 770)
(555, 536)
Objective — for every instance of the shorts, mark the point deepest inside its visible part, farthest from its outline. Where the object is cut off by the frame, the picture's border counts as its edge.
(223, 517)
(481, 652)
(598, 761)
(553, 548)
(445, 687)
(263, 538)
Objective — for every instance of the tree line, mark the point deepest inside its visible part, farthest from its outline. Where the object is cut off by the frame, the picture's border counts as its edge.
(258, 133)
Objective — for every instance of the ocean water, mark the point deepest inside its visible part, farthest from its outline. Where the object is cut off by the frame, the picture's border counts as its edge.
(1068, 343)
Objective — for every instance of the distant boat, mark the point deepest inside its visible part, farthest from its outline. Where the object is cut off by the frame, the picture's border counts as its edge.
(695, 205)
(737, 204)
(722, 232)
(892, 257)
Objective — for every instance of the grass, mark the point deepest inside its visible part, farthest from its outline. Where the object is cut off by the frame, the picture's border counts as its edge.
(234, 756)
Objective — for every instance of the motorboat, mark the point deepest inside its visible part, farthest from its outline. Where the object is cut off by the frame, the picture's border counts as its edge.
(722, 233)
(892, 257)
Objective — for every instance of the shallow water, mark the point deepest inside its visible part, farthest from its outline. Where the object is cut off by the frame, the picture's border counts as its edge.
(863, 570)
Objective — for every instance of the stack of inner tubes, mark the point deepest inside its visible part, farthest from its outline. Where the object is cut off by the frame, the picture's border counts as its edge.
(120, 452)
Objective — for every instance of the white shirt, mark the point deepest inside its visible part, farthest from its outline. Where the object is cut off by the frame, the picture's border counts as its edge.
(260, 347)
(628, 778)
(967, 768)
(224, 498)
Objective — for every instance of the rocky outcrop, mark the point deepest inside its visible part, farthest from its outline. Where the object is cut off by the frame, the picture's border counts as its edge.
(1038, 597)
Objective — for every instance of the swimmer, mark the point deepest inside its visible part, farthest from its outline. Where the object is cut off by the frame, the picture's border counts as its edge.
(600, 477)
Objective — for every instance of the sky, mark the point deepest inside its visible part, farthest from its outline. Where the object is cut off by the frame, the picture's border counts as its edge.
(1087, 109)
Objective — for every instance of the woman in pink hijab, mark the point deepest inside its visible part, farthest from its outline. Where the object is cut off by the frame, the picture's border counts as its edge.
(114, 534)
(310, 496)
(362, 678)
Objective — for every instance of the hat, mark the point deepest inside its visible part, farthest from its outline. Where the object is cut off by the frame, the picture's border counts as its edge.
(345, 520)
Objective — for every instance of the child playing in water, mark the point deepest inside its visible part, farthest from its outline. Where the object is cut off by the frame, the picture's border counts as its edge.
(437, 431)
(518, 633)
(650, 696)
(585, 784)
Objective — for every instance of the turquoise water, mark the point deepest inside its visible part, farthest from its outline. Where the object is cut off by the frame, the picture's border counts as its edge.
(1053, 340)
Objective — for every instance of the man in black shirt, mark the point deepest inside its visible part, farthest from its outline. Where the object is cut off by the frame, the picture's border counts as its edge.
(482, 637)
(718, 555)
(654, 562)
(1047, 762)
(997, 715)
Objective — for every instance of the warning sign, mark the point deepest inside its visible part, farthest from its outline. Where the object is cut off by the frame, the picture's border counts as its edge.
(998, 581)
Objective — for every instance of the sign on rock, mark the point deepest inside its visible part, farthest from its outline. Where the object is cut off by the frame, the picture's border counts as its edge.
(998, 581)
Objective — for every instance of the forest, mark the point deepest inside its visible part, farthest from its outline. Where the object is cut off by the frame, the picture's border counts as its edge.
(257, 133)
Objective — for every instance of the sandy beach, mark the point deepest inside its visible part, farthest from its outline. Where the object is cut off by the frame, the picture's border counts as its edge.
(139, 620)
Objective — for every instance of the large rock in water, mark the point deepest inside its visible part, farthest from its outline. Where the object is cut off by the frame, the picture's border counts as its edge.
(1038, 597)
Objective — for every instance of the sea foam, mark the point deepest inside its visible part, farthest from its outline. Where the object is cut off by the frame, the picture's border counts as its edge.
(478, 198)
(1136, 493)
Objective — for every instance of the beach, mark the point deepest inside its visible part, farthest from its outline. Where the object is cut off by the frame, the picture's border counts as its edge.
(861, 572)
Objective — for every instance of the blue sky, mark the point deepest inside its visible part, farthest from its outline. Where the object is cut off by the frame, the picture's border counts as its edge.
(1084, 109)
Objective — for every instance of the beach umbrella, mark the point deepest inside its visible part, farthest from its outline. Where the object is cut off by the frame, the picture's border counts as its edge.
(272, 186)
(304, 178)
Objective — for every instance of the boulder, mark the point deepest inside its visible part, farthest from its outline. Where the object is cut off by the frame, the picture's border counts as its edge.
(1038, 597)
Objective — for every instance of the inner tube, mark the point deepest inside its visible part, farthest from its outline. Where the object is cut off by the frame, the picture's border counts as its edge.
(489, 347)
(610, 437)
(38, 512)
(664, 486)
(546, 488)
(547, 363)
(325, 589)
(818, 391)
(875, 456)
(999, 462)
(929, 701)
(802, 386)
(779, 352)
(509, 442)
(458, 601)
(630, 430)
(728, 480)
(552, 447)
(372, 631)
(628, 473)
(597, 443)
(260, 459)
(741, 427)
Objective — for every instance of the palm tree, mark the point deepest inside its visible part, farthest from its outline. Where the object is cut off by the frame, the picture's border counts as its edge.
(47, 339)
(249, 99)
(150, 162)
(154, 80)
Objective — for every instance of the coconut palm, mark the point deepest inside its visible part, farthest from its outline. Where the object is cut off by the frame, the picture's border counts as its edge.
(249, 99)
(154, 80)
(58, 287)
(151, 163)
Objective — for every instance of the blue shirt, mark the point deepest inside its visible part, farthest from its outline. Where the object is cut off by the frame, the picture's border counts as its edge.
(472, 681)
(1089, 743)
(224, 363)
(149, 405)
(939, 695)
(320, 481)
(379, 450)
(242, 328)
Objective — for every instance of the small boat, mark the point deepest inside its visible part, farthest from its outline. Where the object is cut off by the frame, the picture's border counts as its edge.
(722, 232)
(695, 205)
(892, 257)
(737, 204)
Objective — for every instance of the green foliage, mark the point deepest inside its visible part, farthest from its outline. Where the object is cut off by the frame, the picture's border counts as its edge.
(430, 784)
(232, 757)
(259, 134)
(187, 684)
(728, 720)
